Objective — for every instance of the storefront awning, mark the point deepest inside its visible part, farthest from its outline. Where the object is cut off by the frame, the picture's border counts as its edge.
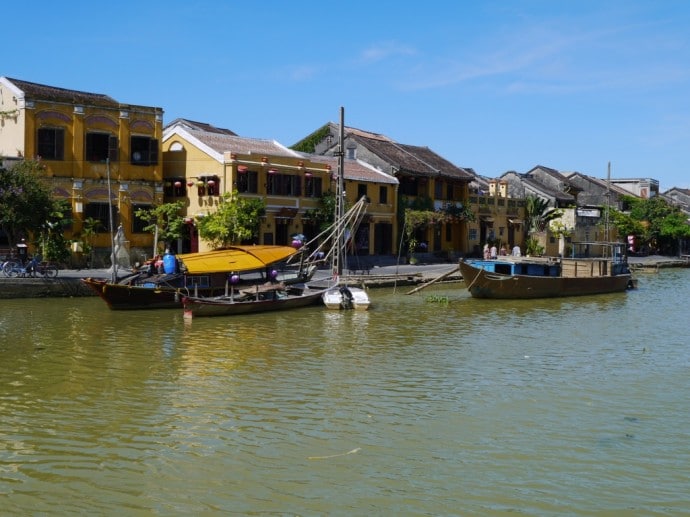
(516, 221)
(486, 218)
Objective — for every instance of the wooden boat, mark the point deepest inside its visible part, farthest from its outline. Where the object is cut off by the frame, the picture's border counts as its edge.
(260, 298)
(524, 277)
(203, 274)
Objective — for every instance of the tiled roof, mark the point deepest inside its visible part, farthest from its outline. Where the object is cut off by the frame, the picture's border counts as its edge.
(355, 170)
(42, 92)
(223, 143)
(601, 183)
(201, 126)
(413, 159)
(552, 192)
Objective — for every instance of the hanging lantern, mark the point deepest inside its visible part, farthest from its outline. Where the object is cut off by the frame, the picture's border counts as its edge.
(190, 183)
(272, 171)
(199, 183)
(242, 169)
(178, 184)
(211, 183)
(234, 278)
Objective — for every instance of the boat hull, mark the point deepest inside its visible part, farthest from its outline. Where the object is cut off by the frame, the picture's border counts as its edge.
(167, 295)
(486, 284)
(205, 307)
(338, 298)
(135, 297)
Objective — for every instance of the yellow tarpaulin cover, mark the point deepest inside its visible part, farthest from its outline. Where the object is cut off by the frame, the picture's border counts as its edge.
(235, 258)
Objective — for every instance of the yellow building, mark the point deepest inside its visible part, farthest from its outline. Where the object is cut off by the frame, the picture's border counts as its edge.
(202, 162)
(85, 139)
(498, 218)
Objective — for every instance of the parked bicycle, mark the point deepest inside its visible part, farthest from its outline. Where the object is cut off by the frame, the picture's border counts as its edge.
(33, 268)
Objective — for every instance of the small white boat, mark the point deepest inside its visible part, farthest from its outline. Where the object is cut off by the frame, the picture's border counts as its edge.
(345, 297)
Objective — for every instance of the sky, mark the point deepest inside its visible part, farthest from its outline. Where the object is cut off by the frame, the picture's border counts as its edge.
(495, 86)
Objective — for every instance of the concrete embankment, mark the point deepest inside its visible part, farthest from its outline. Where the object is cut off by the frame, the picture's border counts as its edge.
(43, 288)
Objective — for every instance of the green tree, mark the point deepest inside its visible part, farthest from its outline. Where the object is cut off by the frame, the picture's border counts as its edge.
(323, 215)
(538, 214)
(166, 219)
(655, 224)
(52, 236)
(26, 202)
(236, 220)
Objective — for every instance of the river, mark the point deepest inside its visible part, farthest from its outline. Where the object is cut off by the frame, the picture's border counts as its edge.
(429, 404)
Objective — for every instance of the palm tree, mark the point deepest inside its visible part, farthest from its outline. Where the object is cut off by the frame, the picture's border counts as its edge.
(538, 214)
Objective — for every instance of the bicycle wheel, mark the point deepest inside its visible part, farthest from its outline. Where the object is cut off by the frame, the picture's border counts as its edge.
(50, 271)
(7, 267)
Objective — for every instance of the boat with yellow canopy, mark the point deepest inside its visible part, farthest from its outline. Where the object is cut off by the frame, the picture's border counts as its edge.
(203, 274)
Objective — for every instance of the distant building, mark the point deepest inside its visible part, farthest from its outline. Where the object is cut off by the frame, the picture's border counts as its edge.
(644, 188)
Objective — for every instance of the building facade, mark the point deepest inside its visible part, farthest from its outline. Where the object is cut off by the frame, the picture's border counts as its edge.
(102, 156)
(202, 163)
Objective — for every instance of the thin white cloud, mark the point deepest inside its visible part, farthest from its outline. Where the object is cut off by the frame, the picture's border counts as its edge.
(383, 51)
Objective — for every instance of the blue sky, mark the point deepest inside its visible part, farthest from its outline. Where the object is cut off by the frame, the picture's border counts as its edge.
(491, 85)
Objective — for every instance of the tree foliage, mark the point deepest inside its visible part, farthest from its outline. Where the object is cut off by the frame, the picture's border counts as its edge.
(415, 219)
(655, 223)
(236, 220)
(323, 215)
(26, 202)
(538, 214)
(166, 219)
(28, 210)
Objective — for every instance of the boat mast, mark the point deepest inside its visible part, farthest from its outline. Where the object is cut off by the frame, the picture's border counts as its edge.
(340, 253)
(110, 223)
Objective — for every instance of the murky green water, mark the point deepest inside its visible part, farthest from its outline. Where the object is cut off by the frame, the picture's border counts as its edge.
(418, 407)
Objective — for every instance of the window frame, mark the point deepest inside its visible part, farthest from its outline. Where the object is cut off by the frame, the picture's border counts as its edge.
(56, 146)
(143, 150)
(107, 149)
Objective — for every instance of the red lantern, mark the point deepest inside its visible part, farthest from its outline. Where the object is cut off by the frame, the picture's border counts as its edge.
(178, 184)
(211, 183)
(242, 169)
(190, 183)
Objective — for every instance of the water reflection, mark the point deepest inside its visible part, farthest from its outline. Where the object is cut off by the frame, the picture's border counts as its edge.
(470, 406)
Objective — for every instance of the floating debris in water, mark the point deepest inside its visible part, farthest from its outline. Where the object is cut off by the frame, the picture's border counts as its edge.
(434, 298)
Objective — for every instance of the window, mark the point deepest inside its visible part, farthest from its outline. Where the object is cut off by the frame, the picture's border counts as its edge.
(438, 189)
(211, 185)
(408, 186)
(247, 182)
(51, 143)
(139, 223)
(362, 191)
(144, 150)
(101, 146)
(175, 187)
(284, 185)
(383, 195)
(99, 212)
(313, 187)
